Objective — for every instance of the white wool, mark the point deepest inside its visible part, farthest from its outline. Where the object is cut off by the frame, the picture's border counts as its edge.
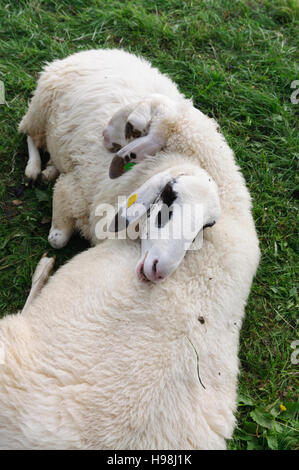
(101, 360)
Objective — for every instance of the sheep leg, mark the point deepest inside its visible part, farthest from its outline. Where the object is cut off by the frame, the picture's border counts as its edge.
(33, 167)
(39, 278)
(50, 173)
(63, 222)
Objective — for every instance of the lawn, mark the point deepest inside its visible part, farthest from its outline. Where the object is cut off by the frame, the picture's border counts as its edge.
(237, 60)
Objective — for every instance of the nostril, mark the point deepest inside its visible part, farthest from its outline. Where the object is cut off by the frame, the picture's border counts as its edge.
(155, 265)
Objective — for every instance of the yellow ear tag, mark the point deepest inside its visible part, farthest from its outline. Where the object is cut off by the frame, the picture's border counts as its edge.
(132, 199)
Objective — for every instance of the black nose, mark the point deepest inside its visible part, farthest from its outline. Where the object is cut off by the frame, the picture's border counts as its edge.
(116, 167)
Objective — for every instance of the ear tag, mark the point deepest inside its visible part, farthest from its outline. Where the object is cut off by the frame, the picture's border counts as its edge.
(129, 165)
(132, 199)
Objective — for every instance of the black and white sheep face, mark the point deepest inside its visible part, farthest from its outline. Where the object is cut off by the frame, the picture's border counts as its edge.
(131, 134)
(174, 210)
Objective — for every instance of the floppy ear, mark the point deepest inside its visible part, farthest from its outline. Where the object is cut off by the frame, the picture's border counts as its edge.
(139, 202)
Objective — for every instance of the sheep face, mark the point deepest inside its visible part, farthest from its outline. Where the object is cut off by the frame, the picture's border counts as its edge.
(134, 132)
(175, 209)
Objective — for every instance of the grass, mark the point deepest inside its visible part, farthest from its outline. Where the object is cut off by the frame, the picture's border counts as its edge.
(237, 60)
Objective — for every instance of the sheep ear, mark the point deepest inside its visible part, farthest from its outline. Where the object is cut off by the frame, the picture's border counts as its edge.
(140, 200)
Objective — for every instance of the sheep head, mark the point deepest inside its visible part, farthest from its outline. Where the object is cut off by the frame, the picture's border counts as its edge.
(172, 208)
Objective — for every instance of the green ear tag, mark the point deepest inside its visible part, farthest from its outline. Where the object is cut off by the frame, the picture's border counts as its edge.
(128, 166)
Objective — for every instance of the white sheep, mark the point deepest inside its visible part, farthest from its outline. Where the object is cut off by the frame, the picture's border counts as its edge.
(100, 360)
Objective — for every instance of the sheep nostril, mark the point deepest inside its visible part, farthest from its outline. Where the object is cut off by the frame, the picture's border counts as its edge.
(155, 265)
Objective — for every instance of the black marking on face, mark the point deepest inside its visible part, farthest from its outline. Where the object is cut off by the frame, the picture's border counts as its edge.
(133, 155)
(168, 195)
(115, 147)
(210, 224)
(131, 132)
(201, 320)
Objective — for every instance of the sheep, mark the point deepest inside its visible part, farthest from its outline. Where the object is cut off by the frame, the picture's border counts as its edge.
(100, 360)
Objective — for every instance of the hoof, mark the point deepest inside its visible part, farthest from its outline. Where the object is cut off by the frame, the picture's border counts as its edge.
(57, 238)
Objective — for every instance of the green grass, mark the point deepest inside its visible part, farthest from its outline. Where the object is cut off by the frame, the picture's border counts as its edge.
(237, 60)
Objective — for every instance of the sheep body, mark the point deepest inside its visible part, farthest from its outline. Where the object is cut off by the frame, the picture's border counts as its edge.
(103, 361)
